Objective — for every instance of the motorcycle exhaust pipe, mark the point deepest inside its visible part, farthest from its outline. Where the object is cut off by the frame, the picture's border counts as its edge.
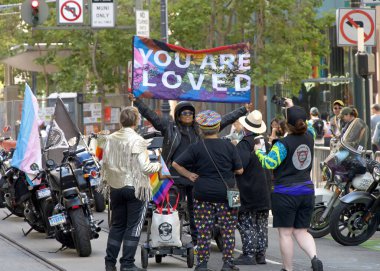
(30, 216)
(8, 200)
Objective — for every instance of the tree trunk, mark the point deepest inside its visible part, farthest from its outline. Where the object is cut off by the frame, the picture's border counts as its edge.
(46, 77)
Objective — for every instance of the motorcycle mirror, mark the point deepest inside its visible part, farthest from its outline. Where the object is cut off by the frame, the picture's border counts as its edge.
(50, 163)
(34, 167)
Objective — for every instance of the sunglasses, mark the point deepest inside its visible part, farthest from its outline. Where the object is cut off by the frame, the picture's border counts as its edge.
(186, 113)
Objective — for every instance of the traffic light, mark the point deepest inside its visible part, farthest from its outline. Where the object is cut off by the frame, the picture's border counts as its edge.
(35, 4)
(34, 12)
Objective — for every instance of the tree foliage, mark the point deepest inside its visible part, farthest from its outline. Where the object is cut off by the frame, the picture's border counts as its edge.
(287, 36)
(287, 39)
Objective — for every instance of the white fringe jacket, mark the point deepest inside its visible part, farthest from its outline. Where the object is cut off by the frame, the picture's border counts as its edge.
(126, 162)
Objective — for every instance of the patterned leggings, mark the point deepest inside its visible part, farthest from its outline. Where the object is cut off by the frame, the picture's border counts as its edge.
(205, 214)
(253, 228)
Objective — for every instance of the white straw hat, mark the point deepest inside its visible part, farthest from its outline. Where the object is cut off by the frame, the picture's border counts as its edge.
(254, 122)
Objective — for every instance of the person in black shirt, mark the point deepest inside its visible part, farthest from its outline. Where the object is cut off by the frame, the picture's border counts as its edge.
(178, 134)
(255, 187)
(210, 159)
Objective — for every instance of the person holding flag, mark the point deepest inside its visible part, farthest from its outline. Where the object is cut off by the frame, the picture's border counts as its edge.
(178, 135)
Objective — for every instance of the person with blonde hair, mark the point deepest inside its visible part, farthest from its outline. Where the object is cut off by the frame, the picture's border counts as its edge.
(125, 169)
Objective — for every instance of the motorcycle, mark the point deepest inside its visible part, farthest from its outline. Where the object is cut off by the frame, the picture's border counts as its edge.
(15, 190)
(71, 215)
(357, 216)
(343, 170)
(4, 165)
(38, 203)
(91, 170)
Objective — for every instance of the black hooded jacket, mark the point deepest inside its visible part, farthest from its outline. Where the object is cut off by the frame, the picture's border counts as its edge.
(255, 182)
(174, 133)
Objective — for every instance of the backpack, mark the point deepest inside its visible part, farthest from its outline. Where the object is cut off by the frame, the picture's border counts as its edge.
(318, 126)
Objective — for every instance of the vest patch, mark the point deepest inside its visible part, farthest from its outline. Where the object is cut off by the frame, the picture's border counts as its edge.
(302, 157)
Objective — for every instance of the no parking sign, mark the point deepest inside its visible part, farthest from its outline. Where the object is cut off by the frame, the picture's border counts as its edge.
(349, 20)
(70, 11)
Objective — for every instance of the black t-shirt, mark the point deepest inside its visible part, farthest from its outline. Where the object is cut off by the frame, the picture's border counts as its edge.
(209, 186)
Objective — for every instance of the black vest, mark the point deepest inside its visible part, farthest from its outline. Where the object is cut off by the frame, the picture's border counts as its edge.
(297, 165)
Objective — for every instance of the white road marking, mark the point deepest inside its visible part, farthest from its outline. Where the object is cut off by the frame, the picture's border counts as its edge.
(239, 251)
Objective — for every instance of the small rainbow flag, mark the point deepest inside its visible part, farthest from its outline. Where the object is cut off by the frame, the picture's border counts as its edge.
(160, 187)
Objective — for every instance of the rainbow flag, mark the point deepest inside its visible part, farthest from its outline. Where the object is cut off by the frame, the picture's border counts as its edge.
(28, 147)
(160, 187)
(169, 72)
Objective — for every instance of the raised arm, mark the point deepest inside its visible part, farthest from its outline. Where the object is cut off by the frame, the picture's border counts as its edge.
(233, 116)
(157, 122)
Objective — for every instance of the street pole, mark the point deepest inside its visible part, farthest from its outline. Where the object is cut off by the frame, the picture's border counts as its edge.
(364, 69)
(165, 106)
(138, 5)
(34, 83)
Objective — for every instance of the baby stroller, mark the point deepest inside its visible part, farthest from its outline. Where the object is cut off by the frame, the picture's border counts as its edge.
(165, 231)
(167, 235)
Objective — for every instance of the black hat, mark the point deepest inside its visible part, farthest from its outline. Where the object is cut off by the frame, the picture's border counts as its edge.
(295, 113)
(182, 106)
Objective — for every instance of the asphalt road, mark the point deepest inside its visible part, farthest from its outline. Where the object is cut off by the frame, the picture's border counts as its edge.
(333, 255)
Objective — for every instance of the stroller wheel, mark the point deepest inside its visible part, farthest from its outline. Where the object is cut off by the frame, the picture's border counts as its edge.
(158, 258)
(144, 257)
(190, 257)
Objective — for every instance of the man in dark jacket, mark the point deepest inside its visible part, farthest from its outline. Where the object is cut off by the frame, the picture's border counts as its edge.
(178, 134)
(254, 186)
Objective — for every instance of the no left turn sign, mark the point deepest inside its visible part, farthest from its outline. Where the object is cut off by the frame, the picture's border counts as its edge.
(349, 20)
(70, 12)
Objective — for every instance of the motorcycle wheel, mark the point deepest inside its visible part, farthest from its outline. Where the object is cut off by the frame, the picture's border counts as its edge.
(37, 225)
(64, 238)
(47, 207)
(100, 203)
(81, 232)
(319, 228)
(345, 227)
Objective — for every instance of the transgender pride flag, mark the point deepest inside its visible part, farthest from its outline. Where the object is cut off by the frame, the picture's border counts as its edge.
(28, 148)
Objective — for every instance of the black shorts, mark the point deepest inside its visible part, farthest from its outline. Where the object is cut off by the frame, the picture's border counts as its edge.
(292, 211)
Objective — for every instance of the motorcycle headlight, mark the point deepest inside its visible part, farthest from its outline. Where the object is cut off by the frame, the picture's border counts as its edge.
(376, 173)
(326, 174)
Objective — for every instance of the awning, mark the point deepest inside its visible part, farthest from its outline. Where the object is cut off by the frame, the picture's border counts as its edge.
(26, 59)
